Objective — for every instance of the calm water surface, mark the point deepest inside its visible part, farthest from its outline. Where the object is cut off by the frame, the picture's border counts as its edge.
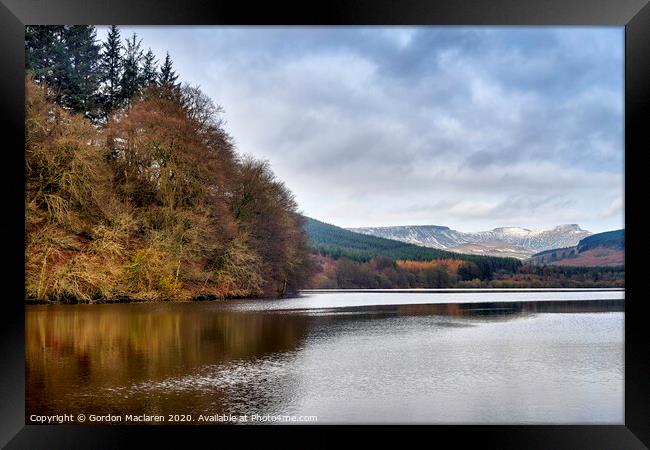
(389, 357)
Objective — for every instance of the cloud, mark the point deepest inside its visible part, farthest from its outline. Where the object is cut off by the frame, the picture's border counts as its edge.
(470, 127)
(614, 209)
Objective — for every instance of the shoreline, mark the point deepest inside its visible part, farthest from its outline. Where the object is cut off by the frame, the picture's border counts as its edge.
(462, 290)
(201, 299)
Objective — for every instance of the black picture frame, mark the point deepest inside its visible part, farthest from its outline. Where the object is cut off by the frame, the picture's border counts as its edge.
(634, 15)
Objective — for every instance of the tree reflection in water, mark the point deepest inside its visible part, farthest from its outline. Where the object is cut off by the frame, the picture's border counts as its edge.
(175, 358)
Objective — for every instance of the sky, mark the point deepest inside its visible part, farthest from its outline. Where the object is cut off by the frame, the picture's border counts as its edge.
(468, 127)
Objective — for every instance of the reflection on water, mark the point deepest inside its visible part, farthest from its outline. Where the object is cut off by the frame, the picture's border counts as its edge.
(445, 363)
(358, 298)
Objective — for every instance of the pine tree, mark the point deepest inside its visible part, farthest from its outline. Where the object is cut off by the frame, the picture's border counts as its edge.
(167, 75)
(39, 41)
(82, 89)
(45, 56)
(167, 81)
(130, 82)
(111, 63)
(149, 76)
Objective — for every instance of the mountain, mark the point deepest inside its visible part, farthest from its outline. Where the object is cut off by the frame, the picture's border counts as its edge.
(601, 249)
(340, 242)
(505, 241)
(336, 242)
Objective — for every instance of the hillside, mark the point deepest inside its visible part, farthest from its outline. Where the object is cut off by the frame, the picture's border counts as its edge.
(602, 249)
(504, 241)
(347, 260)
(494, 249)
(338, 242)
(608, 239)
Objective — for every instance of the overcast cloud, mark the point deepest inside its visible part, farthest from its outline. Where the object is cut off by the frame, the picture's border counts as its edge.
(469, 127)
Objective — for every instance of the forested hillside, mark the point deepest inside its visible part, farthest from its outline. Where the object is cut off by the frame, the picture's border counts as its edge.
(346, 260)
(338, 242)
(609, 239)
(133, 188)
(602, 249)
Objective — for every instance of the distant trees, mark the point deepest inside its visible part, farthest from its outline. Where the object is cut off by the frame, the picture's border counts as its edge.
(362, 261)
(470, 271)
(148, 200)
(382, 273)
(344, 273)
(341, 243)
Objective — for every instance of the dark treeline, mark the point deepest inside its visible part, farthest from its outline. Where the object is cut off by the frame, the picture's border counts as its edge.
(135, 190)
(570, 276)
(384, 273)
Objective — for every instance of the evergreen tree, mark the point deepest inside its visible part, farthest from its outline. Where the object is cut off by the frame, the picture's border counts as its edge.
(39, 42)
(167, 75)
(82, 64)
(149, 76)
(111, 64)
(131, 80)
(61, 73)
(45, 56)
(167, 81)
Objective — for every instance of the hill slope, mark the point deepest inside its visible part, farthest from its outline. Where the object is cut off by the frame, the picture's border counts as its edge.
(602, 249)
(608, 239)
(338, 242)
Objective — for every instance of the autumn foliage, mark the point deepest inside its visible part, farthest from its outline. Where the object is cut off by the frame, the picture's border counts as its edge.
(383, 273)
(450, 265)
(155, 205)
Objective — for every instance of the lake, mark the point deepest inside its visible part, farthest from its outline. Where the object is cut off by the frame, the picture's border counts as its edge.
(468, 357)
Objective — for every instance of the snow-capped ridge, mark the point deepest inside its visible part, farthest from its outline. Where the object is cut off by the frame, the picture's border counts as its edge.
(497, 241)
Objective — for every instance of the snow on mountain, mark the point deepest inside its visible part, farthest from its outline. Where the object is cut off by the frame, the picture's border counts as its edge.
(514, 241)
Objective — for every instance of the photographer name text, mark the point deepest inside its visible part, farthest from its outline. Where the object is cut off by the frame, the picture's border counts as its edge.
(170, 418)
